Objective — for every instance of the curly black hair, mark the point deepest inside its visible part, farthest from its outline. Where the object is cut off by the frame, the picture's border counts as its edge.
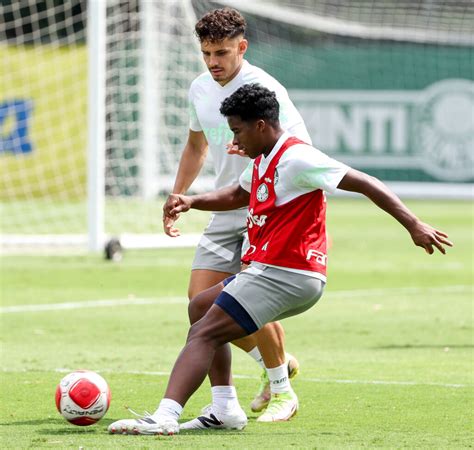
(252, 102)
(220, 24)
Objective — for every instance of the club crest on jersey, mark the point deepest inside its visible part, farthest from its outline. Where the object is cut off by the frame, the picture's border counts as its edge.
(262, 192)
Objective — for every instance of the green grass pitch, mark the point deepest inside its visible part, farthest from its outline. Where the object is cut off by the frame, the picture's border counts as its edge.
(386, 355)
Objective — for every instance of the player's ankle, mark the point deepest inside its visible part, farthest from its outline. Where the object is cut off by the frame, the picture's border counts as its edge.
(224, 398)
(279, 380)
(169, 408)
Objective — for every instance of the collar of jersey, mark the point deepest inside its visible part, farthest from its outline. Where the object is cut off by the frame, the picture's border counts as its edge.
(265, 161)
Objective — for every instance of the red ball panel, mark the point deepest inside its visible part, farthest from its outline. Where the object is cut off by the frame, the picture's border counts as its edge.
(84, 393)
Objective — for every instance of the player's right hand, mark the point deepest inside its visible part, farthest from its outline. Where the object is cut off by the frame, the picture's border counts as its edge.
(429, 238)
(174, 205)
(168, 220)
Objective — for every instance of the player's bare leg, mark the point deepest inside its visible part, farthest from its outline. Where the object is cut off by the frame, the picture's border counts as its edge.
(219, 372)
(271, 342)
(278, 364)
(215, 329)
(224, 396)
(202, 279)
(205, 337)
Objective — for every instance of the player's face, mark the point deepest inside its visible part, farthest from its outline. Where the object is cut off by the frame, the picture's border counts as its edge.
(248, 136)
(224, 58)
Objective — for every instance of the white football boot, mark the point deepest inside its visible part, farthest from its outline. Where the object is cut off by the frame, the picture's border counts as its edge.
(261, 400)
(211, 419)
(146, 425)
(282, 407)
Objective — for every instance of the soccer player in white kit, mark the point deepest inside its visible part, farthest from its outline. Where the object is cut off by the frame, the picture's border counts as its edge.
(221, 33)
(287, 252)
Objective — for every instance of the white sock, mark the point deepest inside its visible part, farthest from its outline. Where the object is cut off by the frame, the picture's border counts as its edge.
(169, 408)
(255, 354)
(279, 381)
(224, 398)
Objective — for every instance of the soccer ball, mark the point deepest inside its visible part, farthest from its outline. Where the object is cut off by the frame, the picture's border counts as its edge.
(83, 397)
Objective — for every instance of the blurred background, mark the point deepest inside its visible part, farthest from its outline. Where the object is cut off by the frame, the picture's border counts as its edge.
(93, 103)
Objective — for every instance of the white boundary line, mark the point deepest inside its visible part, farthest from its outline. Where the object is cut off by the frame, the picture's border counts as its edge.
(249, 377)
(92, 304)
(459, 288)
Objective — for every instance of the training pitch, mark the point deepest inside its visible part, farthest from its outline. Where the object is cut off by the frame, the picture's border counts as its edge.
(386, 354)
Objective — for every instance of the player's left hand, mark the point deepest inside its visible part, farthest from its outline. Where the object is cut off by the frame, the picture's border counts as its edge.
(427, 237)
(235, 150)
(169, 228)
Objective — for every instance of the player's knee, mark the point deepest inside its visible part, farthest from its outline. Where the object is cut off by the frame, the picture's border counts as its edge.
(207, 332)
(197, 308)
(191, 293)
(200, 304)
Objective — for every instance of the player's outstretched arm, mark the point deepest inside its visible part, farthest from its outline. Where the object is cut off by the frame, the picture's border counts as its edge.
(225, 199)
(190, 165)
(423, 235)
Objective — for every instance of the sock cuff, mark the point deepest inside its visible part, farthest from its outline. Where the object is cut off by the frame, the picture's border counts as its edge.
(278, 372)
(256, 355)
(221, 391)
(279, 380)
(170, 407)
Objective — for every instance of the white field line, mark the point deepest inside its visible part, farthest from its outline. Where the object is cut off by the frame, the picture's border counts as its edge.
(460, 288)
(91, 304)
(249, 377)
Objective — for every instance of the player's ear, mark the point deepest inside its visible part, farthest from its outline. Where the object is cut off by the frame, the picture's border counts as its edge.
(261, 125)
(243, 46)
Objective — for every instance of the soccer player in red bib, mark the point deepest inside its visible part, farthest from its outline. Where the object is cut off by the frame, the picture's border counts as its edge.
(284, 189)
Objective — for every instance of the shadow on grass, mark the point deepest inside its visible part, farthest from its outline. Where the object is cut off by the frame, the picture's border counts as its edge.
(61, 427)
(49, 421)
(66, 431)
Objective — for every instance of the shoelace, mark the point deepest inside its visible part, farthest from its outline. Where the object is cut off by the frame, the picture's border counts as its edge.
(140, 416)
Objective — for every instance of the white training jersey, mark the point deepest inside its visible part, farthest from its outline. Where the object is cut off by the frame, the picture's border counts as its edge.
(301, 169)
(205, 99)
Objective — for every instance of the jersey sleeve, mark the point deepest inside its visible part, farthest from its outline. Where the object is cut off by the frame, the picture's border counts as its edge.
(307, 169)
(245, 179)
(194, 124)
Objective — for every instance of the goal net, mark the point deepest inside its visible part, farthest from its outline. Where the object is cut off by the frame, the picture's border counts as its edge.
(90, 139)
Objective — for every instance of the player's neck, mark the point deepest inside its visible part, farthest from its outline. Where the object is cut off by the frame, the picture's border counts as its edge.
(233, 75)
(272, 140)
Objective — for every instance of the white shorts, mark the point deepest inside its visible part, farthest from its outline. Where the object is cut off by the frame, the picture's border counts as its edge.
(263, 294)
(220, 247)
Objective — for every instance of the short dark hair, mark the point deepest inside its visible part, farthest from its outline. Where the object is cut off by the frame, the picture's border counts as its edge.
(220, 24)
(252, 102)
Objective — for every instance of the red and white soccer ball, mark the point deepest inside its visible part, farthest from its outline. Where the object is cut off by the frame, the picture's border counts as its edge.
(83, 397)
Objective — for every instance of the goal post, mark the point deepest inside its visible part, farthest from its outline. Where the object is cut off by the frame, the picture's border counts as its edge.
(96, 40)
(94, 109)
